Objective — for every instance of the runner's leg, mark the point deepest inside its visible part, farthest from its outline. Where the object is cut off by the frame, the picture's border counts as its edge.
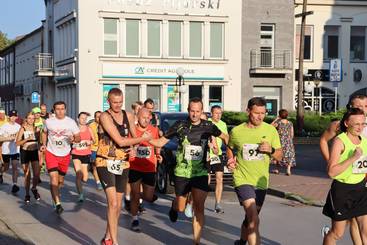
(84, 168)
(362, 225)
(250, 227)
(79, 175)
(148, 192)
(54, 185)
(135, 196)
(36, 174)
(27, 178)
(14, 168)
(336, 232)
(113, 212)
(354, 232)
(198, 197)
(219, 186)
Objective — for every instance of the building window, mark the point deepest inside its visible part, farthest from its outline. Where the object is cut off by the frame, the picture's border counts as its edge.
(266, 45)
(216, 40)
(110, 37)
(196, 39)
(195, 91)
(331, 42)
(357, 43)
(131, 95)
(215, 95)
(154, 38)
(174, 39)
(132, 37)
(308, 51)
(154, 92)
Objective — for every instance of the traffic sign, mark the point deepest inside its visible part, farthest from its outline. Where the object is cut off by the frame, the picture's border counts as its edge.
(35, 98)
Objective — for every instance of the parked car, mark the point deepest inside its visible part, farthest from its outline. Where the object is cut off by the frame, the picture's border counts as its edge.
(165, 170)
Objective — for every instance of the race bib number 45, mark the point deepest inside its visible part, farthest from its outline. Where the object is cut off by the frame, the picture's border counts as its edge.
(116, 166)
(250, 152)
(193, 153)
(143, 152)
(360, 166)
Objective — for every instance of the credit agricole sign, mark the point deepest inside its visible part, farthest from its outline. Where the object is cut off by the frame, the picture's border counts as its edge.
(170, 4)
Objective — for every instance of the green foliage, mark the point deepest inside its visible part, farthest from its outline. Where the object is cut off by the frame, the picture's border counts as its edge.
(314, 124)
(4, 41)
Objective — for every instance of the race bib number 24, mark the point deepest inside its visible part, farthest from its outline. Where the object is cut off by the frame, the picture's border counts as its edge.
(360, 166)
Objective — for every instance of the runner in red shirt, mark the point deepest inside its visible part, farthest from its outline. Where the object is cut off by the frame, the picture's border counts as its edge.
(143, 166)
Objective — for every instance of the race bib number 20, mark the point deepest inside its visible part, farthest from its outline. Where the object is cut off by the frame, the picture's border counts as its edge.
(250, 152)
(360, 166)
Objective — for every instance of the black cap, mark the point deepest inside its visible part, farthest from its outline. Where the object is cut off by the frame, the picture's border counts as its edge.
(13, 113)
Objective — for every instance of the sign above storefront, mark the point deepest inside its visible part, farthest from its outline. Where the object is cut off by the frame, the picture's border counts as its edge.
(204, 72)
(169, 4)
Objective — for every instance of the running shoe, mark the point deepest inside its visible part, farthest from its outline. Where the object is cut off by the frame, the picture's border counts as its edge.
(188, 211)
(105, 241)
(27, 199)
(218, 209)
(81, 197)
(59, 209)
(141, 208)
(135, 225)
(99, 186)
(127, 204)
(36, 194)
(14, 189)
(173, 214)
(325, 230)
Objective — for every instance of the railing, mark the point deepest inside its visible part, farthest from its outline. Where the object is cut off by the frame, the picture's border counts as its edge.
(271, 59)
(44, 62)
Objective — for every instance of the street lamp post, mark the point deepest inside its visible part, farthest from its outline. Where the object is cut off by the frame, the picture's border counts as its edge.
(180, 81)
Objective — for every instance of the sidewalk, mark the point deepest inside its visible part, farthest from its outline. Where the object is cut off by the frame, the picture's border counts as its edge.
(309, 187)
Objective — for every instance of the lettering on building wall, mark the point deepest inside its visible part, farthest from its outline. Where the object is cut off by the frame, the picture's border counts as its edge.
(170, 4)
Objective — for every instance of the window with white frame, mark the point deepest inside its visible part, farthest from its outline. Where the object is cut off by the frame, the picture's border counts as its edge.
(154, 92)
(216, 40)
(308, 51)
(266, 45)
(175, 38)
(110, 37)
(196, 39)
(131, 95)
(132, 37)
(154, 38)
(331, 42)
(357, 43)
(215, 95)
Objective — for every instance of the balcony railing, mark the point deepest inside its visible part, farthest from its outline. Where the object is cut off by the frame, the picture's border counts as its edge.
(265, 61)
(44, 64)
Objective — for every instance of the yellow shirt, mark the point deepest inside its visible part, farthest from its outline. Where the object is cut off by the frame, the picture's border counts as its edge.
(94, 127)
(2, 122)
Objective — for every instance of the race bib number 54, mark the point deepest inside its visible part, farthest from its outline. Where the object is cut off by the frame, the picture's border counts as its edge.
(250, 152)
(360, 166)
(193, 153)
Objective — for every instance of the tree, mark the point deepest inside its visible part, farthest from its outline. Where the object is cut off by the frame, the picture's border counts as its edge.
(4, 41)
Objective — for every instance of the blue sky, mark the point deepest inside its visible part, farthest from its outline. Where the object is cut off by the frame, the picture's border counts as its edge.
(19, 17)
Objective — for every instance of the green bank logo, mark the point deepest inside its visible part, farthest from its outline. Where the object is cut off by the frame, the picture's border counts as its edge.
(139, 70)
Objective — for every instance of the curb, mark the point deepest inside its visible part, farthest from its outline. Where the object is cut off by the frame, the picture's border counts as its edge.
(18, 233)
(294, 197)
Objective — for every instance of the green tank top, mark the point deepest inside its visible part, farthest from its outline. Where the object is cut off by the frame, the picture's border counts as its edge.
(348, 177)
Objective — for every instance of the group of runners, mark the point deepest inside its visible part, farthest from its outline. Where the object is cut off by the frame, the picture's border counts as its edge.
(124, 149)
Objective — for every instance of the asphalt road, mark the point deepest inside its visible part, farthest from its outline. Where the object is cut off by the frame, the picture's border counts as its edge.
(282, 221)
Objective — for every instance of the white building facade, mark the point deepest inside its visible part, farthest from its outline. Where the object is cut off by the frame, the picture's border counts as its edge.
(139, 45)
(335, 30)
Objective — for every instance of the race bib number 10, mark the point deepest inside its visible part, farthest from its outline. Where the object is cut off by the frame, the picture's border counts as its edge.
(193, 153)
(360, 166)
(250, 152)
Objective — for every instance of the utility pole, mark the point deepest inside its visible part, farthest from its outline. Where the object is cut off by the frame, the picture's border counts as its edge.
(300, 109)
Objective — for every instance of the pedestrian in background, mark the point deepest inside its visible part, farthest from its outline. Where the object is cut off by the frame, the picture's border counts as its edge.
(286, 134)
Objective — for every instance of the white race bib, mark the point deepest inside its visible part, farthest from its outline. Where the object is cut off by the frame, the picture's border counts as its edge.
(193, 153)
(250, 152)
(360, 166)
(116, 166)
(82, 145)
(144, 152)
(29, 134)
(215, 160)
(59, 142)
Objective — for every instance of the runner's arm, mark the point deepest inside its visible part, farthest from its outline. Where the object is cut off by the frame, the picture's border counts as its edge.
(19, 140)
(131, 119)
(334, 168)
(92, 135)
(159, 142)
(278, 154)
(43, 140)
(108, 126)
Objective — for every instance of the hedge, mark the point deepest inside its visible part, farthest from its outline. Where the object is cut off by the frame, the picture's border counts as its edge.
(314, 124)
